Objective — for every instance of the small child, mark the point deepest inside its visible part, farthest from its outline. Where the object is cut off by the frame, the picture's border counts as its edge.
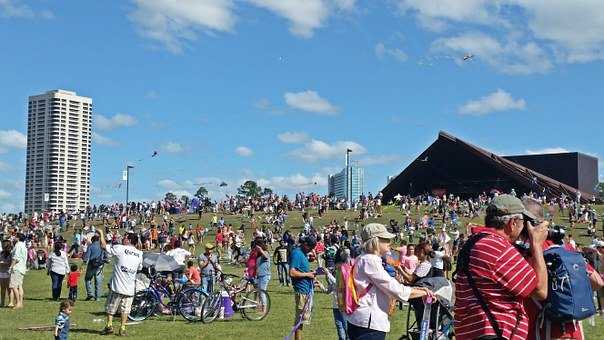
(72, 282)
(62, 322)
(192, 273)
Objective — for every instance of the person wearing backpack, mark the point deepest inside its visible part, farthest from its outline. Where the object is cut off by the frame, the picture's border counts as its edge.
(375, 289)
(95, 258)
(578, 293)
(492, 279)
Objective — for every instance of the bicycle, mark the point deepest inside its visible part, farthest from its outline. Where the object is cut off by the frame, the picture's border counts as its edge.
(252, 303)
(187, 302)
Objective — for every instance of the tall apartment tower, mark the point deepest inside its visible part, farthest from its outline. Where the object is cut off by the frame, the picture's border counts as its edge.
(349, 183)
(57, 174)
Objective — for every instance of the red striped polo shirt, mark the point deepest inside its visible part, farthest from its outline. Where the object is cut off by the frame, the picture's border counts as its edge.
(504, 279)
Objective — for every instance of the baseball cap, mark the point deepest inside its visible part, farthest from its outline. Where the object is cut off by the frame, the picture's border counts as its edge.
(508, 205)
(375, 230)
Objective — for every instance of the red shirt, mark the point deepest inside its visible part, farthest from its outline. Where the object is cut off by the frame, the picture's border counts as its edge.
(193, 275)
(72, 279)
(504, 279)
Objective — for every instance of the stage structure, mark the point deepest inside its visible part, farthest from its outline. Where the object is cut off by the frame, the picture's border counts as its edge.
(453, 166)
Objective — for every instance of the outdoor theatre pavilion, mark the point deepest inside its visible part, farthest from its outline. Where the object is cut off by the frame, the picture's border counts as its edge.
(453, 166)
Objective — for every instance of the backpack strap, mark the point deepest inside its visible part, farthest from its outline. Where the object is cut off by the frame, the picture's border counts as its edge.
(463, 264)
(363, 292)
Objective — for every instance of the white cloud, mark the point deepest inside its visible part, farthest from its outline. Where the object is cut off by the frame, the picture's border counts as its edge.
(576, 27)
(379, 160)
(102, 140)
(4, 194)
(244, 151)
(570, 31)
(294, 182)
(547, 150)
(293, 137)
(305, 16)
(316, 150)
(152, 94)
(12, 139)
(381, 51)
(172, 23)
(117, 121)
(510, 57)
(8, 208)
(17, 9)
(172, 147)
(310, 101)
(4, 166)
(496, 101)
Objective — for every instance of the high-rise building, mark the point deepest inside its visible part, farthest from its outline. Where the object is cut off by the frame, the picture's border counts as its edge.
(57, 174)
(348, 183)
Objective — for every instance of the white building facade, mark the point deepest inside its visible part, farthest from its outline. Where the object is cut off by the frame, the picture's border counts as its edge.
(348, 184)
(59, 136)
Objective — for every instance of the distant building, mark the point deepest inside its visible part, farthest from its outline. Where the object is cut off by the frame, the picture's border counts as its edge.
(57, 173)
(348, 183)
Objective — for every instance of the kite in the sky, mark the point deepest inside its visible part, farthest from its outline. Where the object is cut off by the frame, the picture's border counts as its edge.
(223, 184)
(154, 154)
(468, 56)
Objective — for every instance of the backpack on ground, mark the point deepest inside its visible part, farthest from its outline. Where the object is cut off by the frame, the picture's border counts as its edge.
(347, 293)
(569, 295)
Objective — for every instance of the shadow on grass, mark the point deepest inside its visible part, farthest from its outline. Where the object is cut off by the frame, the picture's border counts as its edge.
(39, 299)
(85, 331)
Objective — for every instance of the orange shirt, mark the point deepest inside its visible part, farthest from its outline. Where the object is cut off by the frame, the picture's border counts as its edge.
(193, 275)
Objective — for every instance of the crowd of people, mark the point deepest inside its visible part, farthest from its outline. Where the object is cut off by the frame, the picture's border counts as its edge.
(427, 240)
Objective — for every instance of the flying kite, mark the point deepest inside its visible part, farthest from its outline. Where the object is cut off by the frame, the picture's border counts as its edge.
(154, 154)
(223, 184)
(468, 56)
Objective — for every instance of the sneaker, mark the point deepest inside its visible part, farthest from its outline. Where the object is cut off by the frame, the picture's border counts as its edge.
(107, 331)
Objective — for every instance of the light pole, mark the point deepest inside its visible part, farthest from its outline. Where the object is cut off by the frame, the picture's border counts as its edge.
(128, 167)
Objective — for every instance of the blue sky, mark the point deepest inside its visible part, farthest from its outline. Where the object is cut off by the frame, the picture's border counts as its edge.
(276, 90)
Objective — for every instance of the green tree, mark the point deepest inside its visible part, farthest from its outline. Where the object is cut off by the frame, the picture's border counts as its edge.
(185, 199)
(170, 197)
(201, 192)
(267, 191)
(250, 189)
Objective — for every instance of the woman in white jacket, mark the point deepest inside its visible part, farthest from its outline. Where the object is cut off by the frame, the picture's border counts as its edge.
(58, 267)
(370, 320)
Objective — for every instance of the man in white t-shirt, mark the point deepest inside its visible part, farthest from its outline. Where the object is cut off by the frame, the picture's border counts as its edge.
(128, 261)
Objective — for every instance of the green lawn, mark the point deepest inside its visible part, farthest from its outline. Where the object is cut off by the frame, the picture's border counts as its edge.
(40, 311)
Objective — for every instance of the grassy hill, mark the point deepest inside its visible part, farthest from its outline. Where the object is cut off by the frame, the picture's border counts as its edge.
(89, 316)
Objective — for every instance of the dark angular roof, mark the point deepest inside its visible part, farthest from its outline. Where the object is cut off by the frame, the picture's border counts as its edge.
(448, 152)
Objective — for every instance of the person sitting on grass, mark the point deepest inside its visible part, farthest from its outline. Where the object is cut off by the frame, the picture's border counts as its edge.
(62, 322)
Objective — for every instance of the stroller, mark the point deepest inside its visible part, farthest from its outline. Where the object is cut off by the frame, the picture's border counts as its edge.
(41, 258)
(441, 311)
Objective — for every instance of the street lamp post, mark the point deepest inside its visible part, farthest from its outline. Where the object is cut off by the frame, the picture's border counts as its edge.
(128, 167)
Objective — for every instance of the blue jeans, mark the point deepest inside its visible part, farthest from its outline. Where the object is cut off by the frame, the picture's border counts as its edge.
(57, 284)
(341, 324)
(362, 333)
(283, 270)
(94, 282)
(207, 282)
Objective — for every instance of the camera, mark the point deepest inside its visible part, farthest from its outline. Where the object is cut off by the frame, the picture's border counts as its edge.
(556, 234)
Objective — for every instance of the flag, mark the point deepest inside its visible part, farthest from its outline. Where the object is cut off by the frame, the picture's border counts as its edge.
(348, 150)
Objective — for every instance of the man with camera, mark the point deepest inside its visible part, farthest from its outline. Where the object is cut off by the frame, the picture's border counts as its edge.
(492, 277)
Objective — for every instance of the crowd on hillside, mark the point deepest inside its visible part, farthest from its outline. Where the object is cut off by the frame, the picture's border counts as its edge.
(427, 238)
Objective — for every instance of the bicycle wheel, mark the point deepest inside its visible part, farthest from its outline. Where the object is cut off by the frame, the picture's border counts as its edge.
(254, 305)
(190, 304)
(144, 305)
(211, 307)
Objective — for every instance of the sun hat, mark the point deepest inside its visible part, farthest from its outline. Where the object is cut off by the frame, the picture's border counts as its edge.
(375, 230)
(209, 246)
